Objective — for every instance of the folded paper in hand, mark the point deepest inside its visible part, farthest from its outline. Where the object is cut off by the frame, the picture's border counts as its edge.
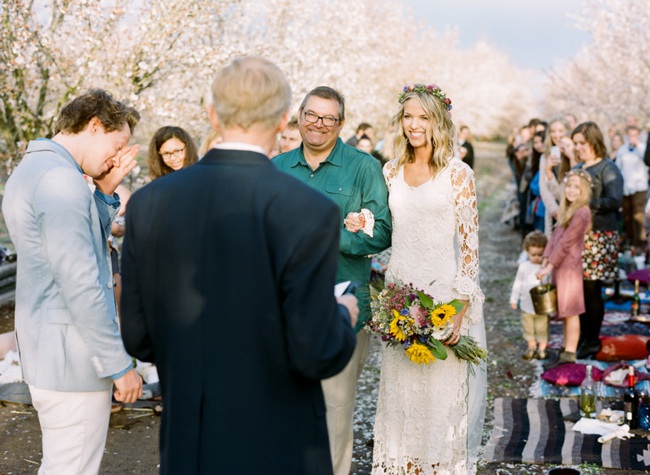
(340, 288)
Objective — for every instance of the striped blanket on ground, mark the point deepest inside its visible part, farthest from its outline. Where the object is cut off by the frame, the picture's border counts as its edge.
(540, 431)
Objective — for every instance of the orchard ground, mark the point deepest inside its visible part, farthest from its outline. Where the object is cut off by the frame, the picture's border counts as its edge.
(132, 445)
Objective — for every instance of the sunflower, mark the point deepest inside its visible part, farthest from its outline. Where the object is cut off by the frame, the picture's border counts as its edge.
(440, 316)
(420, 354)
(395, 328)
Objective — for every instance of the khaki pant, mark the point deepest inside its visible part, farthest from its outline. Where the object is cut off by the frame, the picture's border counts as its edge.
(340, 394)
(74, 427)
(536, 327)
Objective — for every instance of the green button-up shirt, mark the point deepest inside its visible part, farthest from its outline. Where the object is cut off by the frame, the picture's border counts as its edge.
(353, 180)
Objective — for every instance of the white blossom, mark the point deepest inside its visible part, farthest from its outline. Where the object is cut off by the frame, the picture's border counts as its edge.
(608, 79)
(160, 57)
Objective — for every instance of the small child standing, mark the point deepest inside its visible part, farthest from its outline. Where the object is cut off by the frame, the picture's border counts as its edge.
(535, 327)
(563, 256)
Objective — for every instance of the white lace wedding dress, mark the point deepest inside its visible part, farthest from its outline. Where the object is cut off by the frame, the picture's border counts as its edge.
(426, 421)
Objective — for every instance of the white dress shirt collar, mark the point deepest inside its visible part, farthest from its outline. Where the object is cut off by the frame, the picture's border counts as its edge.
(240, 146)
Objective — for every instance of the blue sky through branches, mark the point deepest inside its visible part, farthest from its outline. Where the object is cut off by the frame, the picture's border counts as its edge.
(534, 33)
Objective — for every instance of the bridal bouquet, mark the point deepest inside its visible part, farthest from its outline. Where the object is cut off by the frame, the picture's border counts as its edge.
(407, 317)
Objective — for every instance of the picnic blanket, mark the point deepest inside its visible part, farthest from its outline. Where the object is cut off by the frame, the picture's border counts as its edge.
(540, 431)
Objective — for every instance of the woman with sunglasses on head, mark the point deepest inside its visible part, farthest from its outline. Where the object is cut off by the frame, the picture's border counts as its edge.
(170, 149)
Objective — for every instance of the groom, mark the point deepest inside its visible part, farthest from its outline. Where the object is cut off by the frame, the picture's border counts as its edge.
(228, 272)
(71, 352)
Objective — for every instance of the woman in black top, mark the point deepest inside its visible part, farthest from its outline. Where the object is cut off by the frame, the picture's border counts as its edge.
(600, 255)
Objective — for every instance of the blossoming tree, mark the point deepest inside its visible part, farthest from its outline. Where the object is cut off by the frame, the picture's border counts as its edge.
(153, 54)
(159, 56)
(610, 78)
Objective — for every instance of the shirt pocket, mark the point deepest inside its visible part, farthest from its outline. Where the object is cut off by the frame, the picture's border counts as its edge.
(339, 189)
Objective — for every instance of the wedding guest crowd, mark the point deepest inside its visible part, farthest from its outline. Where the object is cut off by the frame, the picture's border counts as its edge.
(618, 204)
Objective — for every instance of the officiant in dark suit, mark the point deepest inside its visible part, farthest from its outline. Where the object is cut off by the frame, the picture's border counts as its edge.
(228, 270)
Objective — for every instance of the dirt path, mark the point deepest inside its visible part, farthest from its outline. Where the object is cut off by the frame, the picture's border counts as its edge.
(133, 436)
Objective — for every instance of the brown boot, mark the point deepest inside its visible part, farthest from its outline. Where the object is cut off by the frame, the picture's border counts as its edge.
(564, 357)
(567, 357)
(529, 355)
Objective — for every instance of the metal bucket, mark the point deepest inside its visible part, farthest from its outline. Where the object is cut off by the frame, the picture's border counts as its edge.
(544, 298)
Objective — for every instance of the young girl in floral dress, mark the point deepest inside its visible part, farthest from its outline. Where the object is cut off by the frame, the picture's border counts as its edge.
(563, 256)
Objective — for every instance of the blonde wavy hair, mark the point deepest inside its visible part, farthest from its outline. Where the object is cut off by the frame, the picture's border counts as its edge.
(440, 131)
(568, 209)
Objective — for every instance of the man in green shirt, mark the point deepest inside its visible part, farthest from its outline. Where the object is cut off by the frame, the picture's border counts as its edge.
(353, 180)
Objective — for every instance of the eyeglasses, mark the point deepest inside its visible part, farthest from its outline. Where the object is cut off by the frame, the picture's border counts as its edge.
(327, 121)
(173, 153)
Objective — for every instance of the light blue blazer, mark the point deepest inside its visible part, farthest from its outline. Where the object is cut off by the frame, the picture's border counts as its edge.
(66, 319)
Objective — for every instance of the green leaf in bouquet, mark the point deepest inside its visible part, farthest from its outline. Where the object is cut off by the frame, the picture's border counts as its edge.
(438, 349)
(425, 300)
(376, 288)
(457, 304)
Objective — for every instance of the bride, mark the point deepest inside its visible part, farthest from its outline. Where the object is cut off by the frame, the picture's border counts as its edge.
(430, 417)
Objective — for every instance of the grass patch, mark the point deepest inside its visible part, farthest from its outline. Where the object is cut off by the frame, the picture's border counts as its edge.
(590, 468)
(503, 280)
(484, 204)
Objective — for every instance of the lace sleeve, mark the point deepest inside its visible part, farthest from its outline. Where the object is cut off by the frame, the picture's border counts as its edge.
(390, 171)
(465, 285)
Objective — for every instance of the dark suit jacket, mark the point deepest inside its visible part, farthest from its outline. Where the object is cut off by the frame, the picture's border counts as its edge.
(228, 270)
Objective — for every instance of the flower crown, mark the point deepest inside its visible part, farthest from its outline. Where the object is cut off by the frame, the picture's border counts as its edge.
(579, 172)
(431, 89)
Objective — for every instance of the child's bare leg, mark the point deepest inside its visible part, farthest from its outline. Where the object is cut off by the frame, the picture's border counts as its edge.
(571, 333)
(542, 329)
